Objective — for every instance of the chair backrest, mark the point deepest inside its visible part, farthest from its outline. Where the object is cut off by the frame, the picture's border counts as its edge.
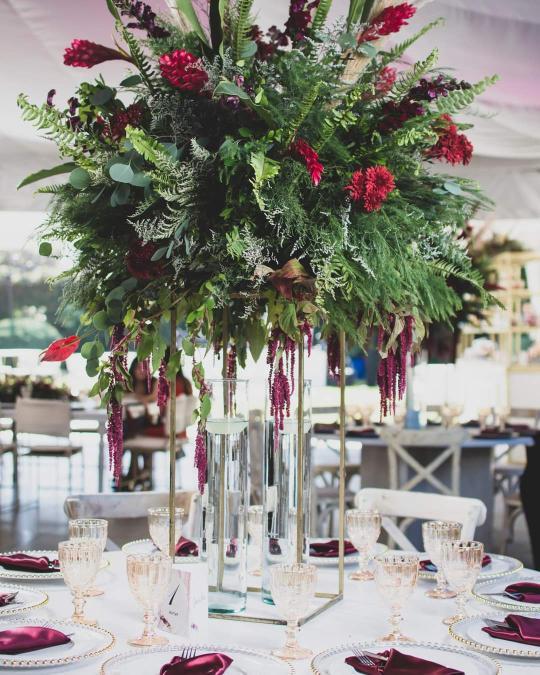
(127, 512)
(421, 506)
(42, 416)
(429, 438)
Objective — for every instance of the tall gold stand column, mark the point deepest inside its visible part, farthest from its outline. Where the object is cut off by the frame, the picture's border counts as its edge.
(172, 439)
(341, 474)
(300, 455)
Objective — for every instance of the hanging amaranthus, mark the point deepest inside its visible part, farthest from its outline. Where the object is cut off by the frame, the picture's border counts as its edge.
(118, 370)
(392, 370)
(201, 461)
(333, 355)
(231, 362)
(163, 390)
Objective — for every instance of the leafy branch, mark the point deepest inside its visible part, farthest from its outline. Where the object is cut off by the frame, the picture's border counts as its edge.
(411, 77)
(240, 38)
(320, 15)
(306, 104)
(396, 52)
(462, 98)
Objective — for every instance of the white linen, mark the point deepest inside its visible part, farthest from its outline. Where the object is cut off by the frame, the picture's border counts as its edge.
(362, 615)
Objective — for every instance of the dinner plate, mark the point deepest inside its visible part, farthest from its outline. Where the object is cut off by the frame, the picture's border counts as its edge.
(245, 661)
(86, 642)
(484, 592)
(27, 598)
(351, 559)
(500, 566)
(469, 633)
(332, 661)
(139, 546)
(26, 575)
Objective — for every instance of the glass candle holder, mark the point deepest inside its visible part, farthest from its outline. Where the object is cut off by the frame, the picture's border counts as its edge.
(255, 531)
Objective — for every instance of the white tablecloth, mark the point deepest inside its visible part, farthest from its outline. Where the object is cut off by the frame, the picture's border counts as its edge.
(360, 616)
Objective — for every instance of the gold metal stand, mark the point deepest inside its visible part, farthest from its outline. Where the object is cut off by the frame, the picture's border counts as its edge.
(172, 440)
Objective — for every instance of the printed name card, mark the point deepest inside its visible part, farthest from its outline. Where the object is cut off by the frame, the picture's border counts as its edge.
(184, 611)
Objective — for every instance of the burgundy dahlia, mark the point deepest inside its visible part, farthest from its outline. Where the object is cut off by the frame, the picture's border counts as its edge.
(183, 70)
(139, 261)
(356, 187)
(453, 147)
(379, 182)
(304, 151)
(390, 20)
(85, 54)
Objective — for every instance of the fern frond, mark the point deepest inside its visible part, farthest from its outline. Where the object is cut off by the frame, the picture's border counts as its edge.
(411, 77)
(320, 15)
(140, 61)
(343, 116)
(241, 28)
(398, 51)
(53, 189)
(151, 149)
(472, 276)
(462, 98)
(306, 104)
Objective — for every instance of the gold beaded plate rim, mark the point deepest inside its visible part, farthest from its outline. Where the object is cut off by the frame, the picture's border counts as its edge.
(20, 575)
(198, 647)
(8, 610)
(374, 644)
(377, 644)
(65, 660)
(136, 542)
(483, 576)
(501, 604)
(489, 649)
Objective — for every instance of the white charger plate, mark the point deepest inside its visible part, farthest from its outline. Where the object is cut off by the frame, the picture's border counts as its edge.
(245, 661)
(351, 559)
(500, 566)
(332, 661)
(27, 598)
(469, 633)
(483, 592)
(86, 642)
(21, 575)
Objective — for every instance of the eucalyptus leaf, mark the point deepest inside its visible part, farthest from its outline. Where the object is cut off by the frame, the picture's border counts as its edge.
(79, 178)
(249, 50)
(159, 254)
(188, 347)
(100, 320)
(45, 249)
(226, 88)
(92, 367)
(131, 81)
(140, 180)
(102, 95)
(453, 188)
(121, 173)
(367, 49)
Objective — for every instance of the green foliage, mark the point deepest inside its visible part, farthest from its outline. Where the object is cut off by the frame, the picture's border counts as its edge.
(321, 13)
(241, 28)
(304, 108)
(462, 98)
(411, 77)
(398, 50)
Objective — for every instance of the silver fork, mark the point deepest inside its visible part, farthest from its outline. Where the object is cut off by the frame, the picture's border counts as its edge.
(49, 624)
(364, 660)
(188, 653)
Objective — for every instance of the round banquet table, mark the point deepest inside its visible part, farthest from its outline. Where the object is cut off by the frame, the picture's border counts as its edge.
(362, 615)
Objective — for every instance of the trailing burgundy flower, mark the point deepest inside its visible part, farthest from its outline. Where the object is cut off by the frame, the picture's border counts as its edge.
(116, 128)
(183, 70)
(85, 54)
(453, 147)
(430, 90)
(163, 390)
(392, 369)
(278, 379)
(356, 187)
(145, 20)
(390, 20)
(201, 461)
(385, 80)
(115, 438)
(379, 182)
(333, 355)
(302, 150)
(266, 49)
(139, 261)
(307, 330)
(231, 362)
(300, 17)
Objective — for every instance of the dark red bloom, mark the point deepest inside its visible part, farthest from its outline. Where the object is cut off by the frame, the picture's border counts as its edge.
(85, 54)
(304, 151)
(200, 458)
(139, 261)
(163, 391)
(453, 147)
(392, 370)
(379, 182)
(132, 116)
(356, 187)
(390, 20)
(394, 115)
(61, 349)
(115, 438)
(50, 97)
(385, 80)
(429, 90)
(145, 20)
(183, 70)
(300, 16)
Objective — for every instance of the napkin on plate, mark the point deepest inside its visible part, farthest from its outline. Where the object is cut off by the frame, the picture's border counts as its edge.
(185, 547)
(524, 591)
(30, 639)
(29, 563)
(518, 629)
(7, 598)
(204, 664)
(329, 549)
(401, 664)
(428, 566)
(362, 433)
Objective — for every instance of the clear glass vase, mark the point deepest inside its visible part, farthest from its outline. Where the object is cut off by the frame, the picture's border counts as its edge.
(226, 499)
(280, 490)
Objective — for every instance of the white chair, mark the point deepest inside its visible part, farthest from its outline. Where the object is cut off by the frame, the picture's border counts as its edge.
(127, 512)
(49, 420)
(410, 506)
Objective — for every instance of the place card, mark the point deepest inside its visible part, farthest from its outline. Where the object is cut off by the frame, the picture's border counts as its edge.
(184, 611)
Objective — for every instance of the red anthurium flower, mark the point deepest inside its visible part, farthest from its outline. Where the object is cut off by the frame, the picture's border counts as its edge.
(85, 54)
(183, 70)
(61, 349)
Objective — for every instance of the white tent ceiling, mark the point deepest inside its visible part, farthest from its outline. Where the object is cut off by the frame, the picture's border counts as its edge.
(478, 38)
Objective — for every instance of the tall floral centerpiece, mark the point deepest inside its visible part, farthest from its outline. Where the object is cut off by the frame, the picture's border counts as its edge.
(252, 184)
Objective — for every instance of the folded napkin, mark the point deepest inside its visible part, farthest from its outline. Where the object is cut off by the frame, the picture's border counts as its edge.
(494, 434)
(205, 664)
(428, 566)
(30, 639)
(321, 428)
(362, 433)
(29, 563)
(519, 629)
(185, 547)
(7, 598)
(524, 591)
(329, 549)
(401, 664)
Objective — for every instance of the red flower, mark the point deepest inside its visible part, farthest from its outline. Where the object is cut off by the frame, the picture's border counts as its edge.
(116, 128)
(453, 147)
(379, 182)
(356, 187)
(183, 70)
(140, 264)
(299, 19)
(390, 20)
(385, 80)
(85, 54)
(61, 349)
(304, 151)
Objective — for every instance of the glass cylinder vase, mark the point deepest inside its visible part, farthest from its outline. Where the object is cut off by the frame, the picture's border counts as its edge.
(226, 499)
(280, 493)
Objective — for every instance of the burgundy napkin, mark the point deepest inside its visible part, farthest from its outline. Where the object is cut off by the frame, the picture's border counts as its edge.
(524, 591)
(329, 549)
(520, 629)
(401, 664)
(7, 598)
(30, 639)
(185, 547)
(320, 428)
(29, 563)
(273, 546)
(428, 566)
(359, 433)
(494, 434)
(205, 664)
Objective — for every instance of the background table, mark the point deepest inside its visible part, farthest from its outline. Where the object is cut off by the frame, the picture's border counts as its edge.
(362, 615)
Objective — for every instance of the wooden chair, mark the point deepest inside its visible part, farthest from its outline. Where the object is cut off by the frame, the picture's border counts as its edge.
(127, 512)
(410, 506)
(400, 441)
(49, 420)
